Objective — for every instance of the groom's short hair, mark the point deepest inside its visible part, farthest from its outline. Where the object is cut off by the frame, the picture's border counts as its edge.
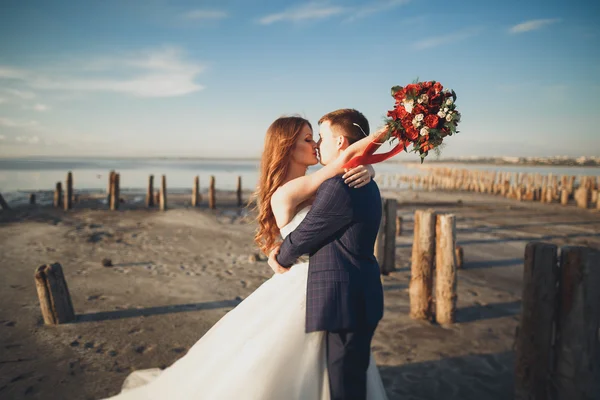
(344, 120)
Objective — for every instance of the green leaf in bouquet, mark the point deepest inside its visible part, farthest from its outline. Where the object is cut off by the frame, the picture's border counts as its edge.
(396, 89)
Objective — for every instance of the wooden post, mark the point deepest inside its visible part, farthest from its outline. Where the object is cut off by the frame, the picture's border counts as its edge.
(157, 197)
(196, 192)
(239, 191)
(114, 194)
(32, 198)
(577, 372)
(535, 331)
(211, 193)
(163, 194)
(380, 240)
(389, 251)
(460, 256)
(111, 178)
(398, 226)
(564, 197)
(421, 279)
(3, 203)
(445, 269)
(53, 293)
(58, 195)
(150, 192)
(68, 202)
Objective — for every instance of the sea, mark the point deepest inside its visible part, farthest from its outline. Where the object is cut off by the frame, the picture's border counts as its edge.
(19, 177)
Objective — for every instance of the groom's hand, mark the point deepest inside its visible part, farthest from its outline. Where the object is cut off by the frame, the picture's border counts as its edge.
(278, 269)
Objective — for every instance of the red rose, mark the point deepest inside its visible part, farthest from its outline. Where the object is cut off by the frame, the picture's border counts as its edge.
(419, 109)
(438, 87)
(432, 121)
(411, 132)
(427, 85)
(401, 112)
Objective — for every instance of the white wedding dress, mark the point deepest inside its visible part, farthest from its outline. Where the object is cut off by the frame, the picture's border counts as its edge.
(259, 350)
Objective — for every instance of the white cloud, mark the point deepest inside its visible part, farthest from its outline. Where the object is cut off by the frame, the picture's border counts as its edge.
(20, 94)
(2, 137)
(12, 73)
(41, 107)
(533, 25)
(205, 15)
(449, 38)
(159, 73)
(321, 10)
(375, 8)
(310, 11)
(11, 123)
(27, 139)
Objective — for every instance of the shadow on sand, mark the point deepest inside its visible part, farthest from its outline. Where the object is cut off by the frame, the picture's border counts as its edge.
(470, 377)
(146, 312)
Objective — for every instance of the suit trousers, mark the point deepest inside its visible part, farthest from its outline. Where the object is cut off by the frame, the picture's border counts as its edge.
(348, 354)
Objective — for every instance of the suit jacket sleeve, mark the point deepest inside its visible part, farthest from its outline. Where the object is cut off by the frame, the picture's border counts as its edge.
(330, 212)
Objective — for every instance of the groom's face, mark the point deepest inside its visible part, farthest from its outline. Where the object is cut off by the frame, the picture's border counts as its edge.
(330, 143)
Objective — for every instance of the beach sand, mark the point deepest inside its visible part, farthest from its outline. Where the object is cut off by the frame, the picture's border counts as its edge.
(175, 273)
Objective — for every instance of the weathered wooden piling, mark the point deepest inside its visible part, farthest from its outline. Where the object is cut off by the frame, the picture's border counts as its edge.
(115, 192)
(460, 256)
(57, 200)
(196, 192)
(445, 269)
(53, 294)
(423, 253)
(68, 201)
(577, 349)
(389, 251)
(150, 192)
(533, 347)
(239, 191)
(163, 194)
(211, 193)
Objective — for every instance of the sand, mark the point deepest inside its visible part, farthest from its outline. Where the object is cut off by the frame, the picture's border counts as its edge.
(176, 273)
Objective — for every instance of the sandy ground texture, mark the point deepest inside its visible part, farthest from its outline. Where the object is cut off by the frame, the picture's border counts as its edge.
(176, 273)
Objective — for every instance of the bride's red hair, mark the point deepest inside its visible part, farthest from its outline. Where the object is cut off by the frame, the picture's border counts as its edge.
(279, 145)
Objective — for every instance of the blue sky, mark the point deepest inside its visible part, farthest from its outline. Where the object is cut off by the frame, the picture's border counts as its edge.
(206, 78)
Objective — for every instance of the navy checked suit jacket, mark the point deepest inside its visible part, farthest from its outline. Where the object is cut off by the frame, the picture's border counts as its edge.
(338, 233)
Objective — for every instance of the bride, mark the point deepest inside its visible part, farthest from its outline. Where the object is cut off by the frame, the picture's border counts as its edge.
(260, 350)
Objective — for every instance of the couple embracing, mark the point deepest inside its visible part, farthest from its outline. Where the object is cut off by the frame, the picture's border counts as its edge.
(306, 332)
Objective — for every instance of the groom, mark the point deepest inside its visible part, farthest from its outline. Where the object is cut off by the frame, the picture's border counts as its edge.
(344, 294)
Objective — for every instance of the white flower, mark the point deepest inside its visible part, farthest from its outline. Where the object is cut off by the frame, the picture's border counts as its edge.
(446, 109)
(416, 123)
(424, 131)
(408, 106)
(423, 98)
(449, 101)
(449, 117)
(441, 114)
(419, 117)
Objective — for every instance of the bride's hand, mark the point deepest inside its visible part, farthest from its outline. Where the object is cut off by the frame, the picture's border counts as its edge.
(358, 176)
(278, 269)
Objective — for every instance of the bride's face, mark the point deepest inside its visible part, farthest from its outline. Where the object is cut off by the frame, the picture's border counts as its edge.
(305, 150)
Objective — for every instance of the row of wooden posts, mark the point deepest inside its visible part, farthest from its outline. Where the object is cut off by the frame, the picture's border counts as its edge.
(152, 198)
(520, 186)
(434, 250)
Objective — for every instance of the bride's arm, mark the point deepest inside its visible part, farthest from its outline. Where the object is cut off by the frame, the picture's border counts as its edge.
(300, 189)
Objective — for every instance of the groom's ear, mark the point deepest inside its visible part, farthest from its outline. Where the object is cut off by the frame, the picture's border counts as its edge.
(342, 142)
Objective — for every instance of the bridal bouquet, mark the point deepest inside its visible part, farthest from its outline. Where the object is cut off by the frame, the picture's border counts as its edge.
(424, 114)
